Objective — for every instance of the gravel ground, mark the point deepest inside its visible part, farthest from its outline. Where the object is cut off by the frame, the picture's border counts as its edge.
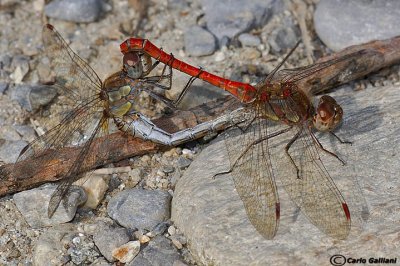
(238, 39)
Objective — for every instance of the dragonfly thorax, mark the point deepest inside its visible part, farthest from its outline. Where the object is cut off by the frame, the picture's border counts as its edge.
(328, 115)
(119, 95)
(284, 102)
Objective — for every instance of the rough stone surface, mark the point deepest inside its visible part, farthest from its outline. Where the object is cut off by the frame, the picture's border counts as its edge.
(33, 97)
(75, 10)
(247, 39)
(107, 238)
(3, 86)
(49, 244)
(230, 18)
(199, 42)
(33, 205)
(164, 23)
(9, 150)
(337, 27)
(284, 37)
(158, 252)
(203, 206)
(127, 252)
(139, 208)
(95, 187)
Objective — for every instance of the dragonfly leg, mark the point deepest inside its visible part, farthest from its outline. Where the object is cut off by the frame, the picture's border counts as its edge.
(255, 142)
(288, 154)
(178, 100)
(339, 139)
(169, 75)
(161, 98)
(319, 145)
(154, 65)
(244, 129)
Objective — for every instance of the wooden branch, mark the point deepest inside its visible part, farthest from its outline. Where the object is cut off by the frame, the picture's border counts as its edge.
(377, 55)
(118, 146)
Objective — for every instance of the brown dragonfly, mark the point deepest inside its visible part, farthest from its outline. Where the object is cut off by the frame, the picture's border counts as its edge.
(95, 103)
(277, 100)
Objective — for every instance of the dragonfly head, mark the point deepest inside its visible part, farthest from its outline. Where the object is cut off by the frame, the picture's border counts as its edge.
(133, 65)
(328, 115)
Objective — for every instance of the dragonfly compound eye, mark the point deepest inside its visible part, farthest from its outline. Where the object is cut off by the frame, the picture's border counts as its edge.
(133, 65)
(329, 114)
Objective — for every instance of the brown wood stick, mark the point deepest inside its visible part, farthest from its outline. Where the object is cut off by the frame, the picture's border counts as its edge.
(118, 146)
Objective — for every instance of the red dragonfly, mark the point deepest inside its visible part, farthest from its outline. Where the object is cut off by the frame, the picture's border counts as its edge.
(93, 104)
(276, 99)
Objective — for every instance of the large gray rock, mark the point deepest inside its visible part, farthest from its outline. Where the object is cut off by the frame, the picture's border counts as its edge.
(159, 252)
(341, 23)
(230, 18)
(49, 248)
(76, 10)
(33, 205)
(211, 215)
(10, 149)
(199, 42)
(139, 208)
(32, 97)
(107, 238)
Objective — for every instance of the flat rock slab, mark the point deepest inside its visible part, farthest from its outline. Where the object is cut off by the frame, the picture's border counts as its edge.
(33, 205)
(211, 215)
(342, 23)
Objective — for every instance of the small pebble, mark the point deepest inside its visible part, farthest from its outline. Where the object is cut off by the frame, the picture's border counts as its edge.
(144, 239)
(176, 242)
(247, 39)
(168, 169)
(126, 252)
(95, 187)
(219, 56)
(183, 163)
(164, 183)
(171, 230)
(145, 158)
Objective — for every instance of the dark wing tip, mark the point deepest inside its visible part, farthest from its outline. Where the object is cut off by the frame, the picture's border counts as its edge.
(346, 210)
(49, 26)
(278, 211)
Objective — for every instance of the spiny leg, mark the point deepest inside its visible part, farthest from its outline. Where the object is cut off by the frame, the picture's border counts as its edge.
(319, 145)
(178, 100)
(339, 139)
(255, 142)
(288, 154)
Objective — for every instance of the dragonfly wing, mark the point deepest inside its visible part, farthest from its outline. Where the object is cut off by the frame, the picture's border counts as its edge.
(314, 190)
(76, 78)
(75, 169)
(252, 175)
(296, 74)
(79, 125)
(73, 75)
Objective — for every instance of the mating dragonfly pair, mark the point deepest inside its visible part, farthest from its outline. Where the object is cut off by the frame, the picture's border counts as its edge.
(275, 100)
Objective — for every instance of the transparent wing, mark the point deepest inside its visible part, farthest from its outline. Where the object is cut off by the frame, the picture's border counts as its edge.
(314, 190)
(296, 74)
(79, 126)
(251, 169)
(72, 73)
(76, 76)
(74, 171)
